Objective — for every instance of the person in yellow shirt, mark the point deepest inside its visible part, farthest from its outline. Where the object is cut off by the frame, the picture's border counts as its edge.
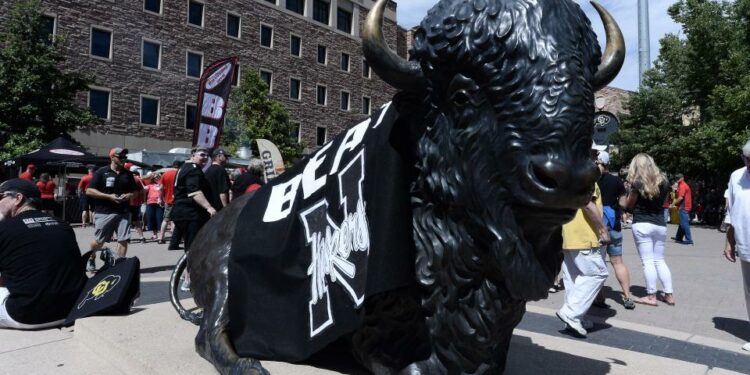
(584, 269)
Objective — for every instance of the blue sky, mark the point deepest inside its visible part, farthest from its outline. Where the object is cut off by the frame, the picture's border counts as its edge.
(410, 12)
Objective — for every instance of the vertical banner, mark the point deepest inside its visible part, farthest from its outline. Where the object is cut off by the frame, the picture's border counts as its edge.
(214, 86)
(273, 164)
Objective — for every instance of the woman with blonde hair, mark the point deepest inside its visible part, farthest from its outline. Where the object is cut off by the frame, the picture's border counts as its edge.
(648, 189)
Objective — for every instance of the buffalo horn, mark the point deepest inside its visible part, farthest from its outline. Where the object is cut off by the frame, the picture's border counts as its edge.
(614, 54)
(391, 68)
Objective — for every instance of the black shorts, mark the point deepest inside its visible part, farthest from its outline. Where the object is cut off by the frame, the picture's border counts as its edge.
(85, 203)
(135, 213)
(48, 204)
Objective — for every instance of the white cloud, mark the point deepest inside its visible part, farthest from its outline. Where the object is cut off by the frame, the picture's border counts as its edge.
(411, 12)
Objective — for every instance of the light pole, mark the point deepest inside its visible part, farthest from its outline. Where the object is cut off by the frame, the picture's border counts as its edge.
(644, 43)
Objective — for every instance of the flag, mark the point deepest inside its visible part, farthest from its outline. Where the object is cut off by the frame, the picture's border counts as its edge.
(273, 164)
(213, 94)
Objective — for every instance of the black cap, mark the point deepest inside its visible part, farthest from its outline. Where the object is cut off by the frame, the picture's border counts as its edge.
(198, 149)
(25, 187)
(219, 151)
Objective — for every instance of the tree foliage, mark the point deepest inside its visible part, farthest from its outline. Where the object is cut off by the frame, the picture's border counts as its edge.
(38, 98)
(253, 114)
(693, 109)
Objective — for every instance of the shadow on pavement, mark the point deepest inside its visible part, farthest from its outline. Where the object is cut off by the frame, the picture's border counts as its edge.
(157, 269)
(525, 357)
(736, 327)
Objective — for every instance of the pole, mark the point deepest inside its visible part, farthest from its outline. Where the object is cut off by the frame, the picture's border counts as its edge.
(644, 43)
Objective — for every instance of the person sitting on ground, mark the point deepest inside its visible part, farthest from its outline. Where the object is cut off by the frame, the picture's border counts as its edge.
(40, 262)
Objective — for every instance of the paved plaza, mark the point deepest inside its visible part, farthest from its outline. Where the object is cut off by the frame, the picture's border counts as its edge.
(701, 334)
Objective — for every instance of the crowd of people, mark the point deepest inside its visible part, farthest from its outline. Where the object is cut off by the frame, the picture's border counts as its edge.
(116, 198)
(645, 197)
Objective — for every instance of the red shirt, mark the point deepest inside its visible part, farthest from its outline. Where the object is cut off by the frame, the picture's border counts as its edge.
(138, 194)
(167, 183)
(84, 184)
(27, 176)
(683, 191)
(46, 189)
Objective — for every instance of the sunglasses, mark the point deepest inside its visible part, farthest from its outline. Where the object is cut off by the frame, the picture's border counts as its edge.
(203, 155)
(3, 195)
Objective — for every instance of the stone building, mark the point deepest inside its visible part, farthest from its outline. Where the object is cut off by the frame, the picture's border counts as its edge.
(146, 57)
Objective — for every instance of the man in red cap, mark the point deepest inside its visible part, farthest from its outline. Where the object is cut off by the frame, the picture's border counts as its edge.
(112, 187)
(29, 174)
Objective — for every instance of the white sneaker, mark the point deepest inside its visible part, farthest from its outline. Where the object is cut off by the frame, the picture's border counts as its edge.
(185, 287)
(746, 346)
(572, 325)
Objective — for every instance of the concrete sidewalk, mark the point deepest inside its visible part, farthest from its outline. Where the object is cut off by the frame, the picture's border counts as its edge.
(701, 334)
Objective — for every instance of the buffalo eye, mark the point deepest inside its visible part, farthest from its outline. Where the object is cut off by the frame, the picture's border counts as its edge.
(460, 98)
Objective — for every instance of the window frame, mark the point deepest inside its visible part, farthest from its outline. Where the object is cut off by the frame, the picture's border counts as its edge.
(239, 25)
(188, 52)
(140, 111)
(54, 28)
(325, 55)
(299, 91)
(328, 14)
(203, 14)
(299, 130)
(325, 95)
(185, 115)
(369, 105)
(291, 51)
(270, 73)
(91, 42)
(237, 73)
(260, 35)
(304, 8)
(369, 69)
(109, 100)
(161, 8)
(348, 62)
(348, 101)
(351, 20)
(143, 47)
(325, 135)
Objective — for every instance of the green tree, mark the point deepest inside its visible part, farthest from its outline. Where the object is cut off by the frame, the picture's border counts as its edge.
(39, 100)
(703, 76)
(252, 114)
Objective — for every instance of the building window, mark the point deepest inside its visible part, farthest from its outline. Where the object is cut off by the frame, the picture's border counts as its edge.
(345, 62)
(322, 54)
(151, 57)
(271, 1)
(365, 69)
(322, 95)
(295, 88)
(194, 64)
(344, 101)
(296, 46)
(149, 110)
(294, 132)
(99, 102)
(366, 105)
(267, 77)
(296, 6)
(344, 21)
(236, 76)
(320, 138)
(101, 43)
(266, 36)
(195, 13)
(153, 6)
(233, 25)
(47, 29)
(321, 11)
(190, 110)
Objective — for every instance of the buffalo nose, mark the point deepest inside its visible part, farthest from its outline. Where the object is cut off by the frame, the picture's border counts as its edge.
(560, 175)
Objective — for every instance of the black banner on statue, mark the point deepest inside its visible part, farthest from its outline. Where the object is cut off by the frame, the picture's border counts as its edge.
(215, 85)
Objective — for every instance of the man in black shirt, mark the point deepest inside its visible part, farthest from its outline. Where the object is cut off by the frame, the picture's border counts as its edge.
(112, 187)
(40, 264)
(191, 207)
(612, 189)
(218, 180)
(249, 181)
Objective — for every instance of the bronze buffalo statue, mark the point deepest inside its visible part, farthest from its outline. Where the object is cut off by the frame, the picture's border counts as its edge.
(484, 151)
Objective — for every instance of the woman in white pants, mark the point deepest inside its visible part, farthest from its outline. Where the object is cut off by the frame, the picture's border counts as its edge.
(648, 189)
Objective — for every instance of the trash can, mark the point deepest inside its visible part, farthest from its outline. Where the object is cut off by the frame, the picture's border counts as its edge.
(674, 215)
